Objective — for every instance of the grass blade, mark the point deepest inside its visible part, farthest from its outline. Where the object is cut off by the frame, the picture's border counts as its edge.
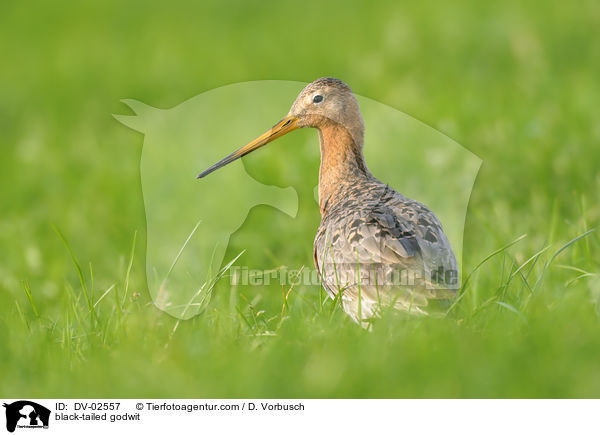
(27, 289)
(79, 273)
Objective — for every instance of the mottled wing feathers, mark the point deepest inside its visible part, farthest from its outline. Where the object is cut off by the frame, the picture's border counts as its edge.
(389, 248)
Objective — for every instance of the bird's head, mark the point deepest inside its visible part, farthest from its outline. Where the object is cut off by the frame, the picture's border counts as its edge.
(324, 102)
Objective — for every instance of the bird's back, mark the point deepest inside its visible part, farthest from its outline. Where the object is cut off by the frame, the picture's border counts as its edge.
(382, 249)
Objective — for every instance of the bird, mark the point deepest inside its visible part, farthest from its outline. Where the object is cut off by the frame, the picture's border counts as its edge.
(374, 248)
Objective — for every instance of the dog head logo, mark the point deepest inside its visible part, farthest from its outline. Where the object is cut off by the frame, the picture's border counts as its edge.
(26, 414)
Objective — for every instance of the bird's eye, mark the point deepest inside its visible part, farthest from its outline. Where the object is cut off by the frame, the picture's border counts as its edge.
(317, 98)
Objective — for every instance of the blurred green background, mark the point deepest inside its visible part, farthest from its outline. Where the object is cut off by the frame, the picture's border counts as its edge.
(515, 83)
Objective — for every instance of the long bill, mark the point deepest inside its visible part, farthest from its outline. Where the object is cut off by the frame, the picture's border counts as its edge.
(287, 124)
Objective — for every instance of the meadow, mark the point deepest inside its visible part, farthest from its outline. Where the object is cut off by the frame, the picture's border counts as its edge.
(513, 82)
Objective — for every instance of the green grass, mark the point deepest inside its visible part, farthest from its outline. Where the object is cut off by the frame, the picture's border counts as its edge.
(516, 84)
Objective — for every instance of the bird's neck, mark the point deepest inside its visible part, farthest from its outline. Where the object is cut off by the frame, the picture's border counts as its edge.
(342, 162)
